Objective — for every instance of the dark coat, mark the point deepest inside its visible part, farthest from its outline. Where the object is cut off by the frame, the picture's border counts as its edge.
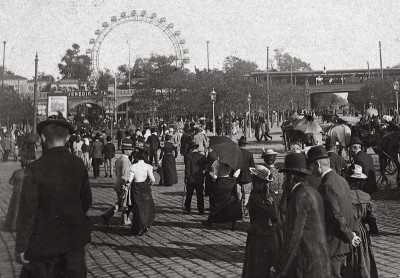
(338, 213)
(154, 142)
(305, 251)
(365, 161)
(109, 151)
(119, 134)
(195, 165)
(337, 162)
(248, 161)
(55, 197)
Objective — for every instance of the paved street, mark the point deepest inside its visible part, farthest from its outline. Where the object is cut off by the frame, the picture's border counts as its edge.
(178, 245)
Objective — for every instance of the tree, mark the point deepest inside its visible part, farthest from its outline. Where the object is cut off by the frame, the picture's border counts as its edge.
(236, 67)
(74, 65)
(331, 100)
(13, 108)
(7, 73)
(285, 62)
(378, 91)
(105, 79)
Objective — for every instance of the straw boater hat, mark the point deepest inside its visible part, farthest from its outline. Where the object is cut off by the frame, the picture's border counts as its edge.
(262, 172)
(269, 152)
(55, 120)
(296, 162)
(355, 171)
(127, 146)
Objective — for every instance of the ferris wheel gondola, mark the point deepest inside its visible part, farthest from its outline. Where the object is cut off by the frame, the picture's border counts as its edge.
(150, 18)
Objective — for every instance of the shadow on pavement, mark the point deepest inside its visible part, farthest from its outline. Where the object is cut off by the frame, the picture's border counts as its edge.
(206, 252)
(387, 194)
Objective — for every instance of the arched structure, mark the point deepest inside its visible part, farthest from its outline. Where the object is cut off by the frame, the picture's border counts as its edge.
(134, 16)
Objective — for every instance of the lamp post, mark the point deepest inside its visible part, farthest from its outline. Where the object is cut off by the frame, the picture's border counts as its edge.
(208, 58)
(249, 101)
(4, 69)
(213, 96)
(35, 94)
(396, 89)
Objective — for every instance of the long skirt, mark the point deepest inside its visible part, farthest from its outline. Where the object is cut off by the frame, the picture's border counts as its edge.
(143, 209)
(86, 160)
(261, 253)
(169, 170)
(13, 208)
(361, 261)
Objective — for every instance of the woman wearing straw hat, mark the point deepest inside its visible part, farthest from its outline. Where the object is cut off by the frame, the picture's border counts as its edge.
(361, 261)
(264, 238)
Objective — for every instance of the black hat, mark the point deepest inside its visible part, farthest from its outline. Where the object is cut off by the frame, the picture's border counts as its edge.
(296, 162)
(109, 138)
(242, 141)
(315, 153)
(55, 120)
(356, 140)
(330, 142)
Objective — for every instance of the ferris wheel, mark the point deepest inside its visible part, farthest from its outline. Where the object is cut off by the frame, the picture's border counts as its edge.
(134, 16)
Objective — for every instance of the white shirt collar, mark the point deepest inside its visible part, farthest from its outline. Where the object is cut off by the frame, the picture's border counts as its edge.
(294, 186)
(326, 172)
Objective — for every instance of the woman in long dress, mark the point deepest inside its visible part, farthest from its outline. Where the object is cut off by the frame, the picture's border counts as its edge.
(168, 155)
(361, 261)
(16, 181)
(264, 238)
(224, 204)
(143, 209)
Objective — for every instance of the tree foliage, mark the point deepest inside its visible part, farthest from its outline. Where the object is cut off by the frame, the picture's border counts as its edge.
(379, 92)
(285, 62)
(14, 108)
(331, 100)
(75, 65)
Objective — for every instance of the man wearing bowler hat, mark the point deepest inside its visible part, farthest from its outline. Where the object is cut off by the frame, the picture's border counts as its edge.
(337, 161)
(336, 195)
(305, 250)
(52, 228)
(363, 159)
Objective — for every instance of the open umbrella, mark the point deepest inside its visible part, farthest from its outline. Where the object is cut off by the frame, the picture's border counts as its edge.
(307, 125)
(227, 151)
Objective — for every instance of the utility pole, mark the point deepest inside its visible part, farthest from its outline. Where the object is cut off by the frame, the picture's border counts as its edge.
(129, 86)
(268, 86)
(380, 57)
(35, 94)
(4, 69)
(208, 58)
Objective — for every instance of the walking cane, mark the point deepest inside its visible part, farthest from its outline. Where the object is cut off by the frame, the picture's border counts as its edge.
(183, 199)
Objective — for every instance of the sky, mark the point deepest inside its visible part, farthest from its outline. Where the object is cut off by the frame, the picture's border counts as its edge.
(337, 34)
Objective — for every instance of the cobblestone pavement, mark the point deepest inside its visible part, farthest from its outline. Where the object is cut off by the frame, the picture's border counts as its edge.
(178, 245)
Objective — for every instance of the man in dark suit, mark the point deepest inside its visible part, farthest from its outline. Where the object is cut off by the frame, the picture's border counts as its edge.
(337, 161)
(52, 228)
(339, 218)
(195, 166)
(244, 178)
(365, 161)
(154, 143)
(119, 138)
(305, 250)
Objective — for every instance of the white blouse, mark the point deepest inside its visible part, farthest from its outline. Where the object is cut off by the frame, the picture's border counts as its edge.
(139, 172)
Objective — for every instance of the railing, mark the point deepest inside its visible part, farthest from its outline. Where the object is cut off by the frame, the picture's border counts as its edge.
(335, 88)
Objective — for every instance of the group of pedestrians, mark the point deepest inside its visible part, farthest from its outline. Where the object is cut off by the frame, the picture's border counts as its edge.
(316, 227)
(303, 223)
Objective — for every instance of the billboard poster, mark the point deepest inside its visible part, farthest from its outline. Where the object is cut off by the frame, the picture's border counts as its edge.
(57, 103)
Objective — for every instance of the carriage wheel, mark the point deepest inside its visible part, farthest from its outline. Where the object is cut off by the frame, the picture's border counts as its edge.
(391, 167)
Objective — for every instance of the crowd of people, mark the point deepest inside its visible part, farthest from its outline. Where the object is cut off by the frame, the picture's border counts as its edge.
(307, 219)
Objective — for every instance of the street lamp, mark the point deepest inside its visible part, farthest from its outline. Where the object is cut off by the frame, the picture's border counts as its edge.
(249, 101)
(396, 89)
(213, 96)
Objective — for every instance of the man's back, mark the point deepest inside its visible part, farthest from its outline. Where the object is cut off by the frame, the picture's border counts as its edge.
(339, 218)
(305, 235)
(337, 162)
(55, 197)
(195, 164)
(154, 142)
(248, 161)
